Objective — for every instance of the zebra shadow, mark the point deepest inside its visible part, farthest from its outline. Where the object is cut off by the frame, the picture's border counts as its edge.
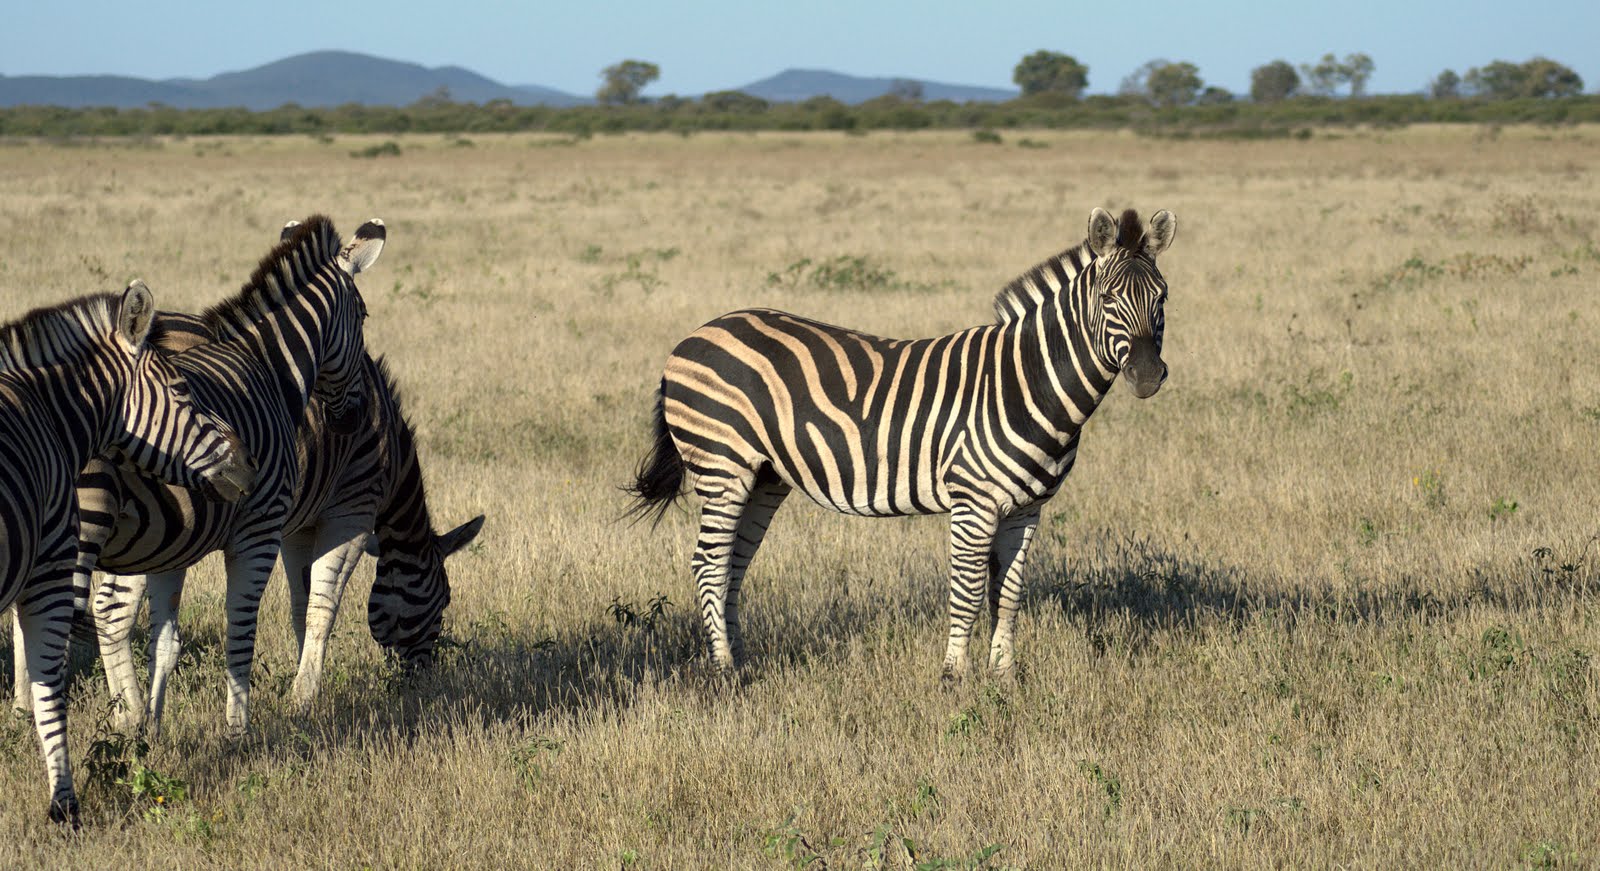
(1124, 590)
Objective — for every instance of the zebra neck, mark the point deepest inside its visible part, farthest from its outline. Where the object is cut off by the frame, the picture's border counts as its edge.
(55, 414)
(403, 520)
(289, 344)
(1061, 371)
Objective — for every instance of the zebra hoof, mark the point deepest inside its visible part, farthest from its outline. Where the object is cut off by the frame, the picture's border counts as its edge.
(64, 812)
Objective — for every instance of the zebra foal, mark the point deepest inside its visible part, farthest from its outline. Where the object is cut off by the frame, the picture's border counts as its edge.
(78, 380)
(982, 424)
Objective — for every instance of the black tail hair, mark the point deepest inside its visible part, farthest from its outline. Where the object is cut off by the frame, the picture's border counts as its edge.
(659, 481)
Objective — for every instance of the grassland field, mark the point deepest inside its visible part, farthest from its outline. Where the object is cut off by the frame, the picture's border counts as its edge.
(1329, 599)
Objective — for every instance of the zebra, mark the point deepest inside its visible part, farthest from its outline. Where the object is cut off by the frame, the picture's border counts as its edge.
(982, 424)
(349, 485)
(293, 331)
(76, 380)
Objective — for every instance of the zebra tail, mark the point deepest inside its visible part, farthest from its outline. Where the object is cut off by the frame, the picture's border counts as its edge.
(659, 480)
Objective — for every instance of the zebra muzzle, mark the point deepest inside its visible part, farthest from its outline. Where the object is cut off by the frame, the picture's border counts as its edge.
(231, 479)
(1144, 368)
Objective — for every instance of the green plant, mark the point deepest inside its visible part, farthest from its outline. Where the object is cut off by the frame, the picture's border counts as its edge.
(528, 758)
(1430, 484)
(986, 137)
(629, 616)
(1108, 782)
(785, 841)
(1502, 509)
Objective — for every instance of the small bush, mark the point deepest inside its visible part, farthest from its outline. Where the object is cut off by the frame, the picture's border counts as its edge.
(386, 149)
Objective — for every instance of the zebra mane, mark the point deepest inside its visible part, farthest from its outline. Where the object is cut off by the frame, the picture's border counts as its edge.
(1028, 291)
(404, 440)
(404, 436)
(313, 245)
(68, 331)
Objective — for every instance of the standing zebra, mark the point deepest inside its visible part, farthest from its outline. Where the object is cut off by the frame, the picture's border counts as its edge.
(982, 424)
(77, 380)
(348, 485)
(293, 331)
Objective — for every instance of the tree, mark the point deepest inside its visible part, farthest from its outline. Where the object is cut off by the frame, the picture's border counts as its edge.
(1136, 83)
(1358, 68)
(1174, 84)
(1324, 77)
(1445, 86)
(1214, 96)
(1539, 77)
(909, 90)
(625, 80)
(1045, 72)
(1272, 82)
(733, 101)
(1543, 77)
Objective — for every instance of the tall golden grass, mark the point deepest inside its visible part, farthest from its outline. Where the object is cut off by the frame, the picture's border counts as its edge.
(1328, 599)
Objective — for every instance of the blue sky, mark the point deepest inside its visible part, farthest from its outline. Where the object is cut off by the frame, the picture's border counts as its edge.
(717, 44)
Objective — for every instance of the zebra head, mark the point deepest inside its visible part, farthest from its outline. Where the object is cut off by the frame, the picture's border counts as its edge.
(1131, 293)
(406, 608)
(159, 428)
(342, 382)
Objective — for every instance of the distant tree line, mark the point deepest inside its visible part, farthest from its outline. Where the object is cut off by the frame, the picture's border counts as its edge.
(1160, 97)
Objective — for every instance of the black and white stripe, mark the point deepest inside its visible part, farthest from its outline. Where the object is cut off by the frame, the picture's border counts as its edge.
(78, 380)
(349, 485)
(293, 332)
(982, 424)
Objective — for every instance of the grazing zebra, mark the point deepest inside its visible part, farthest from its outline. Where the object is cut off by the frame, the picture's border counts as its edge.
(292, 332)
(349, 485)
(982, 424)
(77, 380)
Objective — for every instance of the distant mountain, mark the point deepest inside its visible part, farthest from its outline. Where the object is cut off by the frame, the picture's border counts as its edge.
(333, 78)
(321, 78)
(792, 86)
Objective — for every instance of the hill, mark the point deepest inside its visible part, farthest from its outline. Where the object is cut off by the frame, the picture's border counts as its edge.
(795, 85)
(321, 78)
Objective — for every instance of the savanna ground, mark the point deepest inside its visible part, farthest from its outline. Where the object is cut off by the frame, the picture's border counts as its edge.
(1330, 598)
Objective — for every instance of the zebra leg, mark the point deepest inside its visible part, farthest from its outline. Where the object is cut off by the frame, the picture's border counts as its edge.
(764, 501)
(713, 552)
(116, 605)
(339, 545)
(296, 557)
(44, 615)
(972, 533)
(247, 581)
(1005, 584)
(21, 683)
(166, 641)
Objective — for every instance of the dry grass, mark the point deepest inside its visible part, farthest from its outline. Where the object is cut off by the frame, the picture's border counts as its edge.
(1275, 618)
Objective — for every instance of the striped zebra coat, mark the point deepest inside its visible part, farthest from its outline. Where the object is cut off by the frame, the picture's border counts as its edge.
(293, 331)
(982, 424)
(77, 380)
(347, 486)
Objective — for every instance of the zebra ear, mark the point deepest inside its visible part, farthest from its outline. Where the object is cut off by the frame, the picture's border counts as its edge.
(460, 537)
(370, 546)
(1102, 231)
(135, 315)
(1158, 237)
(364, 247)
(287, 231)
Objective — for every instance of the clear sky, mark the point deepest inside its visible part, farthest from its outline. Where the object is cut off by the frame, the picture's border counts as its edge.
(718, 44)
